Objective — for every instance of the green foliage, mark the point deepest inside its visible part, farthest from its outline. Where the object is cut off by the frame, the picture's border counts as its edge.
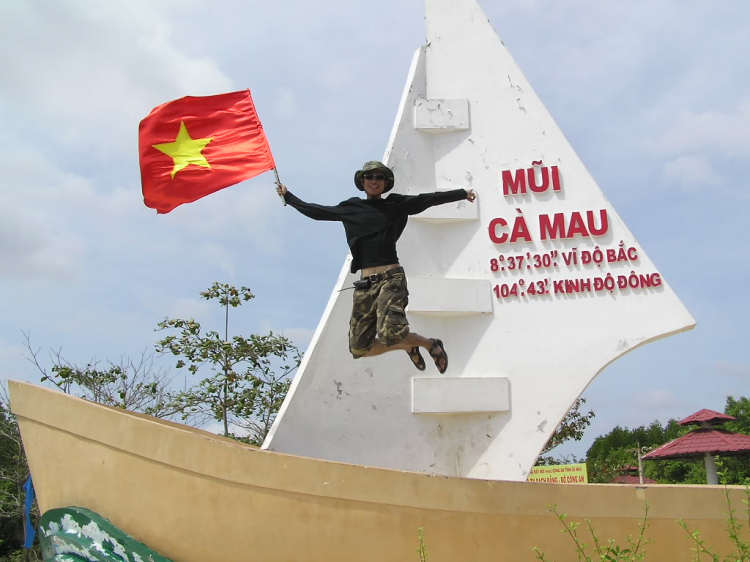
(677, 471)
(22, 555)
(736, 470)
(622, 438)
(634, 551)
(549, 460)
(611, 454)
(572, 426)
(134, 385)
(14, 471)
(740, 409)
(421, 550)
(249, 376)
(13, 468)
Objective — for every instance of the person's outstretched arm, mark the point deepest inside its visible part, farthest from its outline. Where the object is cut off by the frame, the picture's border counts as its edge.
(415, 204)
(312, 210)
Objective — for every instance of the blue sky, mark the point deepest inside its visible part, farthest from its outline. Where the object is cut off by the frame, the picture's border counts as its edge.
(654, 97)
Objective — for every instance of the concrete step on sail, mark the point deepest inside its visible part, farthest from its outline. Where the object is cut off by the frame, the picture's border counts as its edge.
(436, 296)
(459, 395)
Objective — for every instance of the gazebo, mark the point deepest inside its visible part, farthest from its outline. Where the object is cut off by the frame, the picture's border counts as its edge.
(632, 475)
(704, 441)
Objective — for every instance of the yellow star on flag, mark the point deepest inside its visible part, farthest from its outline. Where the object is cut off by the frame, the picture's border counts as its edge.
(185, 150)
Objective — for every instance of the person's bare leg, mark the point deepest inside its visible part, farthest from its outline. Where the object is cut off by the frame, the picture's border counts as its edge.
(412, 339)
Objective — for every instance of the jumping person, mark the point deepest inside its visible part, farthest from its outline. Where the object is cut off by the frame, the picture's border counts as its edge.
(373, 225)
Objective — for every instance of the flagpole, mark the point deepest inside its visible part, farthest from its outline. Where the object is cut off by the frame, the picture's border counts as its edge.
(276, 173)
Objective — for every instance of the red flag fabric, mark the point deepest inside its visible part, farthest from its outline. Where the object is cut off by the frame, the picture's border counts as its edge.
(194, 146)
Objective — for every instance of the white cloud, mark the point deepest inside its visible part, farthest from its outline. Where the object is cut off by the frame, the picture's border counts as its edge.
(300, 336)
(740, 370)
(29, 248)
(190, 308)
(215, 255)
(724, 132)
(336, 75)
(286, 105)
(105, 66)
(641, 408)
(691, 173)
(12, 350)
(33, 242)
(14, 362)
(656, 400)
(52, 221)
(734, 377)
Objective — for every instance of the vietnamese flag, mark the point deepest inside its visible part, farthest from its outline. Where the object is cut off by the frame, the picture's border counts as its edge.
(194, 146)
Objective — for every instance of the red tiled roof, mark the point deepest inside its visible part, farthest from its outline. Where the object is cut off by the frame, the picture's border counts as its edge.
(701, 441)
(630, 479)
(706, 416)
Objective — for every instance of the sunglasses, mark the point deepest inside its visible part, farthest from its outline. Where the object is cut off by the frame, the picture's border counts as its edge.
(379, 177)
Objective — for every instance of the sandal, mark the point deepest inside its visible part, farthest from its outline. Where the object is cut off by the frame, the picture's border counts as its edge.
(437, 344)
(416, 358)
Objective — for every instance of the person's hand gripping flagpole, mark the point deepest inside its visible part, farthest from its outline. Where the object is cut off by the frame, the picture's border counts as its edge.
(278, 185)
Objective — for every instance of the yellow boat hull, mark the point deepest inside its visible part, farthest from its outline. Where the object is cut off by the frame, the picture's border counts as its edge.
(194, 496)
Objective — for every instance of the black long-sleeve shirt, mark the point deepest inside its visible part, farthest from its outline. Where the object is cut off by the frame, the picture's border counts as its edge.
(374, 225)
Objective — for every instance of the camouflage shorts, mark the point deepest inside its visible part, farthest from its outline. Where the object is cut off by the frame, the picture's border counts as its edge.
(379, 311)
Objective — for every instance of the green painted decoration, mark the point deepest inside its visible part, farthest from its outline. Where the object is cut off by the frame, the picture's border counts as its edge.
(75, 534)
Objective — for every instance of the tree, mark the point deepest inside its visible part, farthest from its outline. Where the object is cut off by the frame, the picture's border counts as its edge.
(250, 375)
(614, 454)
(134, 385)
(572, 426)
(740, 409)
(611, 454)
(736, 470)
(14, 471)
